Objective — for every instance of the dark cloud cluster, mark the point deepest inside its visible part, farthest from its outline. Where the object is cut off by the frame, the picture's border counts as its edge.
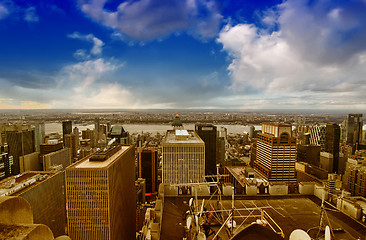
(149, 19)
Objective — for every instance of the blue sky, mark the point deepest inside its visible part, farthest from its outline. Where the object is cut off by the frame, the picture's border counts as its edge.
(193, 54)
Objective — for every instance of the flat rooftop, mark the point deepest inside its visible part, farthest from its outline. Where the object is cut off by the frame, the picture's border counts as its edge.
(182, 136)
(289, 212)
(86, 163)
(16, 185)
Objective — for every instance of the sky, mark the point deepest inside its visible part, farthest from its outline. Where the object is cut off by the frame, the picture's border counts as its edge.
(183, 54)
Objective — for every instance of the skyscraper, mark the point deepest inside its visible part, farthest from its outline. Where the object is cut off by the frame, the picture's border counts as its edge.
(100, 195)
(317, 135)
(276, 153)
(208, 133)
(71, 142)
(332, 138)
(66, 129)
(39, 135)
(20, 143)
(148, 167)
(183, 157)
(354, 130)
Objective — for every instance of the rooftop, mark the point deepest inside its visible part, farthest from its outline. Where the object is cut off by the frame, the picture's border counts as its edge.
(16, 185)
(86, 163)
(182, 136)
(289, 212)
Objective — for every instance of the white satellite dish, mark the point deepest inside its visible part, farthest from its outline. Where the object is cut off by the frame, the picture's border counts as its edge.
(203, 203)
(190, 202)
(327, 233)
(299, 234)
(189, 222)
(201, 236)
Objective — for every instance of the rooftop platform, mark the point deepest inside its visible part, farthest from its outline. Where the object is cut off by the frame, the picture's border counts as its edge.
(86, 163)
(289, 212)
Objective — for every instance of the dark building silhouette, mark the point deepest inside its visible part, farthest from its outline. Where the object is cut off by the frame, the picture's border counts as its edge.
(148, 167)
(208, 133)
(20, 143)
(354, 130)
(66, 129)
(6, 162)
(308, 153)
(49, 147)
(331, 144)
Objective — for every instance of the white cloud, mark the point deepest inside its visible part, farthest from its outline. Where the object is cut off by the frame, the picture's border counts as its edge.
(81, 75)
(4, 12)
(30, 15)
(148, 19)
(95, 50)
(304, 56)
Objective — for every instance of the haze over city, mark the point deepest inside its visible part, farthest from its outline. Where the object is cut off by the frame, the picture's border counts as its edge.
(191, 54)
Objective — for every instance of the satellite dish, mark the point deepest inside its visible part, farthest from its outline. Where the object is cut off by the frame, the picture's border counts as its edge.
(299, 234)
(190, 202)
(189, 222)
(203, 202)
(327, 233)
(201, 236)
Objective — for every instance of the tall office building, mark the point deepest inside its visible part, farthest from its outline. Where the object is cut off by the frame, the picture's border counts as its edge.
(101, 197)
(39, 135)
(20, 143)
(308, 153)
(331, 144)
(276, 153)
(88, 134)
(66, 129)
(317, 135)
(183, 157)
(96, 129)
(208, 133)
(354, 130)
(148, 167)
(71, 141)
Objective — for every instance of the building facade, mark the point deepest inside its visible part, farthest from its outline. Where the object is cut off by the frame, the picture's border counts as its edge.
(208, 133)
(100, 195)
(354, 130)
(148, 167)
(183, 157)
(66, 129)
(332, 141)
(276, 153)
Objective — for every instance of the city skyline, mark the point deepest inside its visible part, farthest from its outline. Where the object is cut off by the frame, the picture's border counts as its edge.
(191, 54)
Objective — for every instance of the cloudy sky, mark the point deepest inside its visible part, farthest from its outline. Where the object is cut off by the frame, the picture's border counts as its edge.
(163, 54)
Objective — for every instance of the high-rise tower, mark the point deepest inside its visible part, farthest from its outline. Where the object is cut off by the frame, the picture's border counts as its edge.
(276, 153)
(183, 157)
(354, 130)
(208, 133)
(66, 129)
(100, 195)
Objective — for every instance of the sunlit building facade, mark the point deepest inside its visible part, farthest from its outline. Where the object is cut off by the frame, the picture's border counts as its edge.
(276, 153)
(183, 157)
(100, 195)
